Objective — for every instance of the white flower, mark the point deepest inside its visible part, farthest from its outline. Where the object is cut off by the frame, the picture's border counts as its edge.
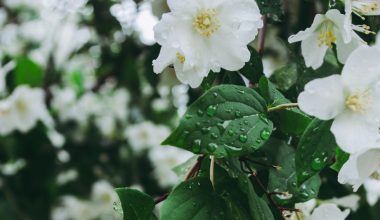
(325, 31)
(372, 187)
(350, 201)
(164, 159)
(12, 167)
(351, 99)
(329, 212)
(144, 23)
(146, 135)
(325, 211)
(23, 109)
(360, 167)
(202, 35)
(362, 7)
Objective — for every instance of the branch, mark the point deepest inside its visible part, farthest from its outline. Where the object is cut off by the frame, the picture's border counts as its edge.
(261, 39)
(283, 106)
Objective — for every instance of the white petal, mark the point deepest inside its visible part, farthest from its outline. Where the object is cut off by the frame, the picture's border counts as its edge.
(359, 167)
(362, 68)
(323, 98)
(183, 6)
(353, 133)
(237, 53)
(312, 52)
(192, 76)
(302, 35)
(341, 25)
(372, 188)
(243, 18)
(329, 212)
(345, 49)
(164, 59)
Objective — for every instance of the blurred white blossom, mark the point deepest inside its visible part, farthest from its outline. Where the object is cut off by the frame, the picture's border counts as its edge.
(164, 159)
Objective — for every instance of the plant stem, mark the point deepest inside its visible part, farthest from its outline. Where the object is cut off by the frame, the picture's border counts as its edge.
(212, 169)
(283, 106)
(261, 39)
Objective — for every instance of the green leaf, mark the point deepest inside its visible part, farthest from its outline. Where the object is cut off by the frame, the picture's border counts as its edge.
(285, 77)
(341, 158)
(194, 199)
(28, 72)
(258, 207)
(136, 205)
(227, 120)
(290, 121)
(253, 69)
(315, 149)
(285, 179)
(208, 81)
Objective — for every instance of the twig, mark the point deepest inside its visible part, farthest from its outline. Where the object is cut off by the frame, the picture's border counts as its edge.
(161, 198)
(283, 106)
(268, 194)
(261, 39)
(195, 168)
(212, 169)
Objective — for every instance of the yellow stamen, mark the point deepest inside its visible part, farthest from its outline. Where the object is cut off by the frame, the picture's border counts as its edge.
(181, 58)
(326, 38)
(358, 101)
(206, 22)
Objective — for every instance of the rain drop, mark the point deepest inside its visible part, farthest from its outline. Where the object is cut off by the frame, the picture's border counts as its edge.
(200, 112)
(243, 138)
(265, 134)
(197, 146)
(211, 110)
(317, 164)
(212, 147)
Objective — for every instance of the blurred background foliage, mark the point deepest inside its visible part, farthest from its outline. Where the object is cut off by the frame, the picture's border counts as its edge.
(92, 59)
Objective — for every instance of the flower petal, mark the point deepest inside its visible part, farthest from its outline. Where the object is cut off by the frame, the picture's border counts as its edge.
(164, 59)
(345, 49)
(362, 68)
(329, 212)
(323, 98)
(353, 132)
(302, 35)
(359, 168)
(312, 51)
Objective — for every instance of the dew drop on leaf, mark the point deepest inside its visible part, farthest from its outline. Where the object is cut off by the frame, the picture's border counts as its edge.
(265, 134)
(200, 112)
(243, 138)
(212, 147)
(211, 110)
(238, 114)
(197, 146)
(317, 164)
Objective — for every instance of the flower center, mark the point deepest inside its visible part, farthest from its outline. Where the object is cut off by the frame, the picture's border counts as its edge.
(181, 58)
(326, 38)
(364, 7)
(21, 106)
(206, 22)
(359, 101)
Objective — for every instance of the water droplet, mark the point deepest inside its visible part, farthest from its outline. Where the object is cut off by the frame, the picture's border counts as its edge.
(238, 114)
(241, 92)
(205, 130)
(198, 124)
(317, 164)
(215, 94)
(265, 134)
(197, 146)
(214, 136)
(304, 195)
(258, 141)
(246, 122)
(231, 132)
(243, 138)
(242, 129)
(212, 147)
(211, 110)
(200, 112)
(229, 111)
(188, 116)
